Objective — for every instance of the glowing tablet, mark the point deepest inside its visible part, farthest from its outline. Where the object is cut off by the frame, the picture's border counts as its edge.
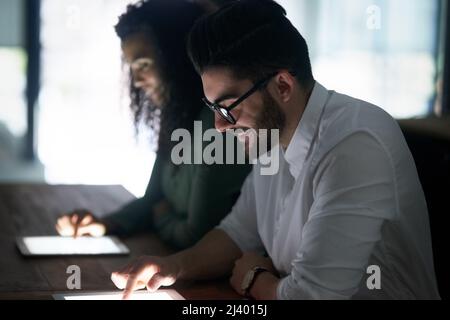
(61, 246)
(138, 295)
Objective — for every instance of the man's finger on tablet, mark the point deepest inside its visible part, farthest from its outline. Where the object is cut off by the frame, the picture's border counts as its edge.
(121, 276)
(130, 286)
(155, 282)
(119, 280)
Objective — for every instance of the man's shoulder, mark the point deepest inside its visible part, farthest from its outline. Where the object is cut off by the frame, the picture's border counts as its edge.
(346, 115)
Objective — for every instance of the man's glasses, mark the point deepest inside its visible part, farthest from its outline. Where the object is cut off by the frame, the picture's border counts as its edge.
(225, 113)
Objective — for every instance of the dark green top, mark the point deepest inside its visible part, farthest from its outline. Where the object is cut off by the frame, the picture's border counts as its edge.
(200, 197)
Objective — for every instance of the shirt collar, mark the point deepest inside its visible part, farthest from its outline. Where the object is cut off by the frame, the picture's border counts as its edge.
(306, 130)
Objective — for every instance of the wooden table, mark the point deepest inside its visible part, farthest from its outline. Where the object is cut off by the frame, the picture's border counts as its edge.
(31, 210)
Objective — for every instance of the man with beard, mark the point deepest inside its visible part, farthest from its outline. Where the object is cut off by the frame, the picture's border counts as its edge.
(343, 218)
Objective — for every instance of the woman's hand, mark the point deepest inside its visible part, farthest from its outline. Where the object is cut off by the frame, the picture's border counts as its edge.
(146, 272)
(80, 223)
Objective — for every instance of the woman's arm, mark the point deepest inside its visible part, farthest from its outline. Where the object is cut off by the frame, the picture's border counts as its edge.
(137, 215)
(214, 190)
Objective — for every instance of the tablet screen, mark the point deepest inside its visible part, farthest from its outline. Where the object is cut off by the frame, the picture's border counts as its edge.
(139, 295)
(71, 246)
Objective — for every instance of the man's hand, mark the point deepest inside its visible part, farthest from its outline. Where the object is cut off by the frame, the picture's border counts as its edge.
(80, 223)
(146, 272)
(247, 262)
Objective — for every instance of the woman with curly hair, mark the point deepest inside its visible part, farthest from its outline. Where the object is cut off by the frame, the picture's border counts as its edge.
(182, 202)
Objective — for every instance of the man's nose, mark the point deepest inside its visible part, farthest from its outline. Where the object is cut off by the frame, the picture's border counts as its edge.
(138, 79)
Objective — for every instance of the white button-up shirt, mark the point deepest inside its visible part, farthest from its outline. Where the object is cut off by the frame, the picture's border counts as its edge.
(347, 196)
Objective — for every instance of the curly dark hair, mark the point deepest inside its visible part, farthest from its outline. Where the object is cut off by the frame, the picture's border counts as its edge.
(166, 24)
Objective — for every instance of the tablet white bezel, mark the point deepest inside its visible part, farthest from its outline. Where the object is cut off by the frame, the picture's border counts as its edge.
(172, 293)
(20, 241)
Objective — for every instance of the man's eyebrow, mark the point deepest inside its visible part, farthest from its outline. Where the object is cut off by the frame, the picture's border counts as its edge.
(225, 97)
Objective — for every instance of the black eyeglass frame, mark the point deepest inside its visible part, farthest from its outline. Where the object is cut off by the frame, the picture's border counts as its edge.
(225, 112)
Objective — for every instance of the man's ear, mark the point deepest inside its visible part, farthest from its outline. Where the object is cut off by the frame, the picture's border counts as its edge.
(284, 85)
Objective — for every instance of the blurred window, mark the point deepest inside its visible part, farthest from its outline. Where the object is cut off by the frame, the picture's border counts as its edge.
(12, 90)
(381, 51)
(13, 68)
(86, 132)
